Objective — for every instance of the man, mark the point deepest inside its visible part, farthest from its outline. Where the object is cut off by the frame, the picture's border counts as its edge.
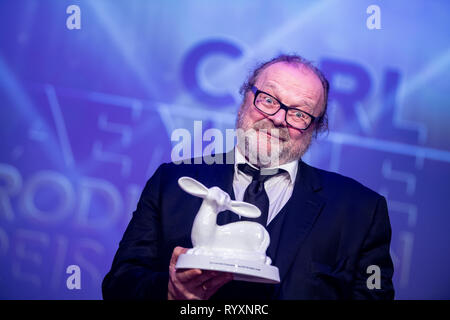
(325, 229)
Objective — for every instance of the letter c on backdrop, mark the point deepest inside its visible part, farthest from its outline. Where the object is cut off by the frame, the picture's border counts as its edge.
(192, 61)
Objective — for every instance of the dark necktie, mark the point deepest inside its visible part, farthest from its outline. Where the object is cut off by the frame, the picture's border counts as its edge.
(255, 192)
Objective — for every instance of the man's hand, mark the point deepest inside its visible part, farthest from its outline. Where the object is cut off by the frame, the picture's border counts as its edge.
(193, 284)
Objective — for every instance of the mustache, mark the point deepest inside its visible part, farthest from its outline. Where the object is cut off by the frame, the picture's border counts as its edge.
(283, 132)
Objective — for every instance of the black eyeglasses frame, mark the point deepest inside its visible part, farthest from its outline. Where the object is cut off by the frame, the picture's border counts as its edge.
(286, 108)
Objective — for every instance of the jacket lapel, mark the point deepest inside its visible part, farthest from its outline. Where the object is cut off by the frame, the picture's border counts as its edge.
(218, 174)
(301, 212)
(221, 175)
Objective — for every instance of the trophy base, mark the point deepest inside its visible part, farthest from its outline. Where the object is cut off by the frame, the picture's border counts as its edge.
(243, 270)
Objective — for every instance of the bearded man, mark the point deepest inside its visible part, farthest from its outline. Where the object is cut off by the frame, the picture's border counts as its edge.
(326, 231)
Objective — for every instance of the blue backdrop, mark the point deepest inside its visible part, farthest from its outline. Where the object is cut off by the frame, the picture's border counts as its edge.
(87, 114)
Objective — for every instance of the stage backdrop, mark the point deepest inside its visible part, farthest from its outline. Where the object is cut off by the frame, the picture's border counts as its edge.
(91, 92)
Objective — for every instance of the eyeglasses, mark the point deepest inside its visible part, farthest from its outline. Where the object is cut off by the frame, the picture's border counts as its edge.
(269, 105)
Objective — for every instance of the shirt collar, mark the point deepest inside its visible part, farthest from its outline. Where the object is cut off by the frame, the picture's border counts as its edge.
(290, 167)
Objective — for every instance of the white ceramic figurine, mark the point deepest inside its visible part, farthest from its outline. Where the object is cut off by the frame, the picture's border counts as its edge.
(244, 240)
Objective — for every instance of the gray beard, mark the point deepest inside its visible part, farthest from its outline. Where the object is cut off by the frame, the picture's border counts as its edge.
(257, 154)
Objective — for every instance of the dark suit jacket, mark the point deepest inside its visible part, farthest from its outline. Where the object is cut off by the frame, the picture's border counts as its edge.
(333, 229)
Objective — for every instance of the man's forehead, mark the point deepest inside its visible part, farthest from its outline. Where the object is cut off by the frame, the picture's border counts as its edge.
(288, 71)
(297, 80)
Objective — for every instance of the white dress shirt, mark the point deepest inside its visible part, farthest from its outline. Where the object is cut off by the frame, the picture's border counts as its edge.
(278, 188)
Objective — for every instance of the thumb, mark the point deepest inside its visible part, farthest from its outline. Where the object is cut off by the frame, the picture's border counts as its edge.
(176, 252)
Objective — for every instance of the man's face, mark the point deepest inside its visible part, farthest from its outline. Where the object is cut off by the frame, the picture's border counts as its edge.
(295, 86)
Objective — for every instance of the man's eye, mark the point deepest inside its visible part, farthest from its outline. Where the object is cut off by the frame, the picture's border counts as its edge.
(299, 114)
(269, 100)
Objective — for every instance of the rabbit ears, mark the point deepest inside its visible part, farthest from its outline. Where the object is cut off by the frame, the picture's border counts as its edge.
(197, 189)
(245, 209)
(193, 187)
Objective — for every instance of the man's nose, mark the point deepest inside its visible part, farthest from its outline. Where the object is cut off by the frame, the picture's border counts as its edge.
(279, 118)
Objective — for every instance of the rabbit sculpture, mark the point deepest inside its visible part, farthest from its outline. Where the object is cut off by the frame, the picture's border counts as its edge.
(244, 240)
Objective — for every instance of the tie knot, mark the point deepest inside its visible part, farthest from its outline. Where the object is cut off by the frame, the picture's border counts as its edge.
(260, 175)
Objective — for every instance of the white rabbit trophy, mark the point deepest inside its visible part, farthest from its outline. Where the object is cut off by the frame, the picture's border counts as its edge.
(238, 247)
